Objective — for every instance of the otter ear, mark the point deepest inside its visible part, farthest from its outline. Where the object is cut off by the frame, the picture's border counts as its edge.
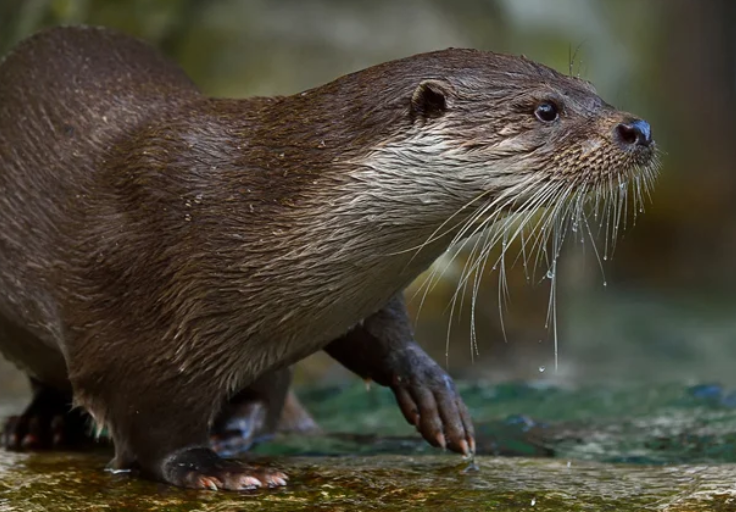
(430, 99)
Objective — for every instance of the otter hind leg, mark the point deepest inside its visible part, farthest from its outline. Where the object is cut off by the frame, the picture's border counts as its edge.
(252, 414)
(256, 413)
(49, 422)
(160, 421)
(167, 439)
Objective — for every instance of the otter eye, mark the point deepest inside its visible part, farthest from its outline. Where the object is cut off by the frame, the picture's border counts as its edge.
(547, 112)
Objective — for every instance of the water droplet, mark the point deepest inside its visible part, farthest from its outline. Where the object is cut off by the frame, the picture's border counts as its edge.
(605, 284)
(118, 471)
(605, 257)
(550, 274)
(541, 369)
(574, 227)
(534, 501)
(569, 463)
(622, 185)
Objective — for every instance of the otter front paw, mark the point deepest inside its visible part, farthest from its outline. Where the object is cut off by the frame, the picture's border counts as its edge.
(429, 400)
(200, 468)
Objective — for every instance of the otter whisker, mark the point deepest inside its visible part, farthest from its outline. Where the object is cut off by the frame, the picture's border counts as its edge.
(542, 240)
(562, 220)
(433, 278)
(471, 267)
(504, 294)
(533, 210)
(470, 228)
(547, 196)
(595, 249)
(434, 236)
(552, 307)
(509, 195)
(478, 274)
(480, 241)
(610, 214)
(479, 262)
(466, 225)
(430, 281)
(476, 285)
(460, 291)
(619, 204)
(537, 230)
(531, 205)
(550, 193)
(636, 185)
(479, 228)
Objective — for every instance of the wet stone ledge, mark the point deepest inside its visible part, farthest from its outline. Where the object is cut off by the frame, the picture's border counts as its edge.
(77, 482)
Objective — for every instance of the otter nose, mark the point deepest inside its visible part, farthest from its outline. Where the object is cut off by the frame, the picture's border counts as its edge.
(635, 133)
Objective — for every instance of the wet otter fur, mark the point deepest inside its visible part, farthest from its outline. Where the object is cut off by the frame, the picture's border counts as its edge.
(166, 256)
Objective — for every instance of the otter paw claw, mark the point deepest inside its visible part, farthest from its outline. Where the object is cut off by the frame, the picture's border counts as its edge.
(198, 481)
(429, 401)
(236, 478)
(202, 469)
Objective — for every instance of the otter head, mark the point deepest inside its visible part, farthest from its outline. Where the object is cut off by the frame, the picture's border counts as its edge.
(540, 125)
(479, 135)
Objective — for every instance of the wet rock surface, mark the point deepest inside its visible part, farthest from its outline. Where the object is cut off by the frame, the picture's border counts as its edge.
(625, 449)
(386, 483)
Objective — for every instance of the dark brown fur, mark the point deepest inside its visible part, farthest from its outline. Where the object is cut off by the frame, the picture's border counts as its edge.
(163, 251)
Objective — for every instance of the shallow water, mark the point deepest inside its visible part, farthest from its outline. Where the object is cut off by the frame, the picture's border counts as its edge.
(598, 449)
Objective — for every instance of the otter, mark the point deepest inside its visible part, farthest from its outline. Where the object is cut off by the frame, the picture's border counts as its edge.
(167, 256)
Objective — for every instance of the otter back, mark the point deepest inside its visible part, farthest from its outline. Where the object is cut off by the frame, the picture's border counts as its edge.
(65, 96)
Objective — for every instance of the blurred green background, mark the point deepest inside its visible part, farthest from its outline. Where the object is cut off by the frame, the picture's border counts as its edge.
(667, 312)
